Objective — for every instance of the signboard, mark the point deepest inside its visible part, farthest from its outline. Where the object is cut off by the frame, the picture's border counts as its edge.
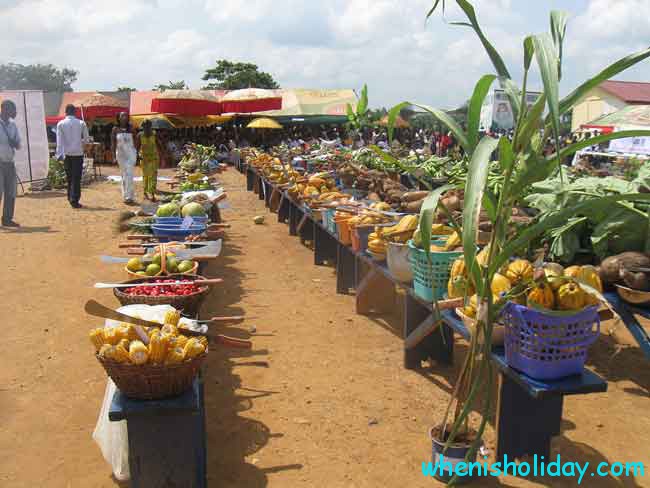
(32, 158)
(632, 145)
(496, 112)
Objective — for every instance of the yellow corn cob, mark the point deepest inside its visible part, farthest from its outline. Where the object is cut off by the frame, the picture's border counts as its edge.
(138, 353)
(175, 356)
(181, 340)
(120, 354)
(193, 348)
(170, 330)
(106, 351)
(125, 343)
(204, 340)
(110, 336)
(153, 330)
(158, 348)
(130, 332)
(172, 317)
(97, 338)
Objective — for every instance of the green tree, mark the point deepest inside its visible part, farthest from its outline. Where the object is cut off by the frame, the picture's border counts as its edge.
(125, 89)
(46, 77)
(230, 75)
(172, 85)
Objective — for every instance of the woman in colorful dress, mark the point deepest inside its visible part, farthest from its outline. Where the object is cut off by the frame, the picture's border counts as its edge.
(149, 151)
(123, 146)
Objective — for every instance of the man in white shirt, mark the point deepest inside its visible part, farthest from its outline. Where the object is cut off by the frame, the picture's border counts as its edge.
(71, 135)
(9, 143)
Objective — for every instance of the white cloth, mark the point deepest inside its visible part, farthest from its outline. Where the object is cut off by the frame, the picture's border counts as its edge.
(71, 135)
(8, 145)
(126, 157)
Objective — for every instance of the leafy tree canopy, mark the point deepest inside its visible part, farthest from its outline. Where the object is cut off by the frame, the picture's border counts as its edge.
(46, 77)
(172, 85)
(228, 75)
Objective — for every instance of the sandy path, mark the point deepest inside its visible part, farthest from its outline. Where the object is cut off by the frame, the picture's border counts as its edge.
(323, 400)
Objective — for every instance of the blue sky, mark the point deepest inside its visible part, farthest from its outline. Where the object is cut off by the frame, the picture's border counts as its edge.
(313, 44)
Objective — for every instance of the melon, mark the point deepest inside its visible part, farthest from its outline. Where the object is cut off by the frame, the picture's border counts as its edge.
(193, 209)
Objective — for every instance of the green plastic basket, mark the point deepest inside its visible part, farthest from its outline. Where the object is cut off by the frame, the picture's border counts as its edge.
(430, 278)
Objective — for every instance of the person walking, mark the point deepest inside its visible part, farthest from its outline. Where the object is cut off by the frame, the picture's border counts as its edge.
(71, 135)
(123, 146)
(149, 150)
(9, 143)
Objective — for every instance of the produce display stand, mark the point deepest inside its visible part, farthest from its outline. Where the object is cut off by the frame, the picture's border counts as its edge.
(627, 313)
(529, 411)
(167, 441)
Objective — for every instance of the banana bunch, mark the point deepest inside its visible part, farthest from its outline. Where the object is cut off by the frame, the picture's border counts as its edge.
(377, 245)
(330, 196)
(403, 230)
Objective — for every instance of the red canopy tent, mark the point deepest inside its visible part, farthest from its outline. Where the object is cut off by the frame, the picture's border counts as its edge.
(250, 100)
(186, 102)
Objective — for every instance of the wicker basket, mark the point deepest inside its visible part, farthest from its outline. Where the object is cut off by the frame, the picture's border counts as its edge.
(163, 270)
(189, 304)
(153, 381)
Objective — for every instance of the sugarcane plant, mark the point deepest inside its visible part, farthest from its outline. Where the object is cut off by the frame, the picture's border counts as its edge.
(522, 163)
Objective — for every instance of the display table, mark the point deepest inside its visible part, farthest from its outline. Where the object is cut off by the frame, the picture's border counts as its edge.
(166, 439)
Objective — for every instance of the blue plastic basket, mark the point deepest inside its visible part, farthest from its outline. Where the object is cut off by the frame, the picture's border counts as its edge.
(545, 346)
(175, 230)
(430, 278)
(178, 220)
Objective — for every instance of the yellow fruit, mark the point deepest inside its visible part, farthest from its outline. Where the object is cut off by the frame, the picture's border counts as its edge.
(589, 276)
(169, 330)
(181, 340)
(175, 356)
(482, 257)
(572, 271)
(138, 353)
(519, 271)
(110, 335)
(158, 348)
(453, 241)
(500, 284)
(542, 295)
(172, 317)
(458, 287)
(193, 348)
(97, 338)
(120, 354)
(554, 275)
(570, 297)
(441, 230)
(458, 268)
(125, 343)
(204, 340)
(106, 351)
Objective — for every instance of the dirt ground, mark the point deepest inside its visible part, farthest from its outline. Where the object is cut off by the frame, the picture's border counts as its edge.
(322, 400)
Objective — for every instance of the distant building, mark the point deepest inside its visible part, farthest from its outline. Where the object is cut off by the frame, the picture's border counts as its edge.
(608, 97)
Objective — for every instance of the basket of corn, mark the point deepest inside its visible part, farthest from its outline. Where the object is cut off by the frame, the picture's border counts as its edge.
(153, 364)
(186, 297)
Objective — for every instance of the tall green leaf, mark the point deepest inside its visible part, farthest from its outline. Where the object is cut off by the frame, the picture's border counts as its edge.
(352, 118)
(531, 123)
(558, 31)
(479, 167)
(392, 117)
(548, 62)
(612, 70)
(427, 213)
(474, 109)
(362, 106)
(529, 52)
(433, 9)
(451, 123)
(495, 57)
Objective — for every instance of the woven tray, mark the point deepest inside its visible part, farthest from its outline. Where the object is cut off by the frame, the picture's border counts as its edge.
(150, 381)
(189, 304)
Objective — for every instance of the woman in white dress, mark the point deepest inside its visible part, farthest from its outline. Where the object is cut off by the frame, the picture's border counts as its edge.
(123, 146)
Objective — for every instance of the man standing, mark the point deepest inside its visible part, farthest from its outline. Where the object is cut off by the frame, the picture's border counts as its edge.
(71, 135)
(9, 143)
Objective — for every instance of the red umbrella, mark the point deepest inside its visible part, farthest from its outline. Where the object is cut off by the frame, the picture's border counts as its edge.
(251, 100)
(186, 102)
